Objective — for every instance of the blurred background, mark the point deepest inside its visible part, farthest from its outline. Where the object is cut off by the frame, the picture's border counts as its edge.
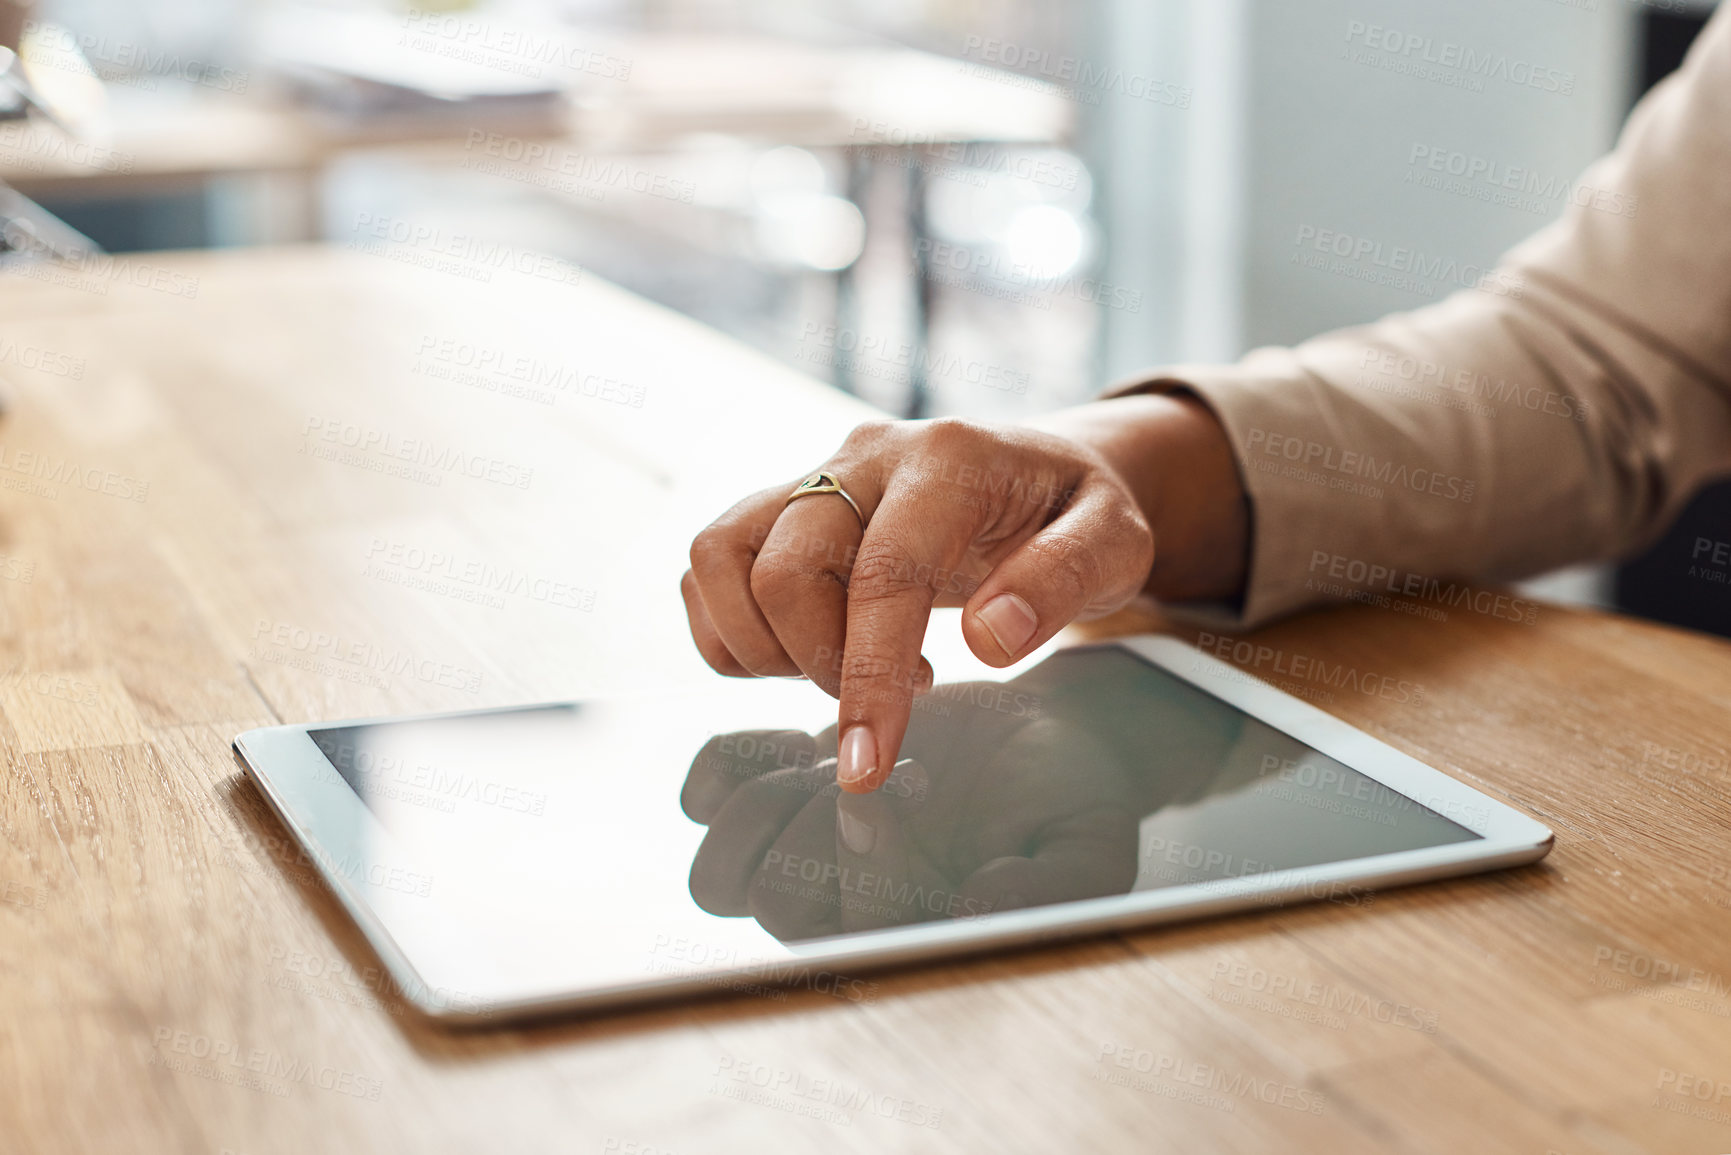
(975, 207)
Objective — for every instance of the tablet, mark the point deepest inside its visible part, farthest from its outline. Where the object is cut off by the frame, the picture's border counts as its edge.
(578, 855)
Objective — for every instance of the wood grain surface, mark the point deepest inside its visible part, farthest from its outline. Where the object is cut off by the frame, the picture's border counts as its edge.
(204, 467)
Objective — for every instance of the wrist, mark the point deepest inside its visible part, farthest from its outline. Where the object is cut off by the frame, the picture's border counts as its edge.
(1173, 455)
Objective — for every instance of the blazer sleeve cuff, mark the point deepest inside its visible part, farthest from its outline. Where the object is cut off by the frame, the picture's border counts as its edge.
(1287, 512)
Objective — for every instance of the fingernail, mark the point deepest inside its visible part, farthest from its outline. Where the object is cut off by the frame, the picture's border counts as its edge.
(1010, 621)
(856, 835)
(857, 759)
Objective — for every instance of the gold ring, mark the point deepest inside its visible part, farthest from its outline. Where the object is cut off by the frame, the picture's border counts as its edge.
(824, 482)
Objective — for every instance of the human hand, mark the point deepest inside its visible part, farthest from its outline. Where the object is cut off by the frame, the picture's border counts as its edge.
(1026, 530)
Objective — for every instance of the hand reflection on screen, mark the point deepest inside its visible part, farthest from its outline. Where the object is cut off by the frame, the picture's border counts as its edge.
(997, 804)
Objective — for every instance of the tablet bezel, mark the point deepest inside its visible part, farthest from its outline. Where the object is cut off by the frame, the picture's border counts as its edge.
(286, 764)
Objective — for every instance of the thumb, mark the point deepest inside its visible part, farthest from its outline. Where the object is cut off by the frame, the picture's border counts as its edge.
(1092, 559)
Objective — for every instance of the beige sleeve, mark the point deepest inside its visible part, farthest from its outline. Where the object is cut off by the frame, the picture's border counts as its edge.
(1562, 411)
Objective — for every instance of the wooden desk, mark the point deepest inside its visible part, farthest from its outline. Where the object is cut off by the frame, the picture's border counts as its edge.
(155, 916)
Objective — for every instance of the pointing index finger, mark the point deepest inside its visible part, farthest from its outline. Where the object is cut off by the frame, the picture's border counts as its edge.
(907, 558)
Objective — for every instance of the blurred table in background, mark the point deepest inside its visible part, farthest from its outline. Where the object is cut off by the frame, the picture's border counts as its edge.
(759, 88)
(194, 477)
(909, 109)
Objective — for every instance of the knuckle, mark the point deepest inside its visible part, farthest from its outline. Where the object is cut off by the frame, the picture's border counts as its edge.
(708, 546)
(1070, 561)
(869, 435)
(777, 579)
(954, 434)
(882, 572)
(871, 679)
(1136, 531)
(1126, 528)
